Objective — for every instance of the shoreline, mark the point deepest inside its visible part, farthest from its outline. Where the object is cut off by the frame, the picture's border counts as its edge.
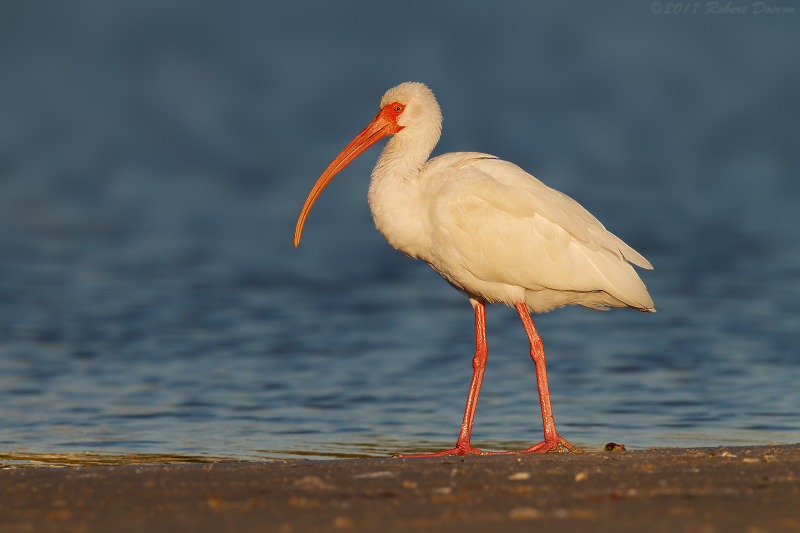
(742, 488)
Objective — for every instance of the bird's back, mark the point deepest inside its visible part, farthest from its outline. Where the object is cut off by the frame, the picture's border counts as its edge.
(500, 234)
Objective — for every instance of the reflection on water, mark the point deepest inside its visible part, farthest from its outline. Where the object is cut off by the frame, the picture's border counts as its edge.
(60, 460)
(378, 447)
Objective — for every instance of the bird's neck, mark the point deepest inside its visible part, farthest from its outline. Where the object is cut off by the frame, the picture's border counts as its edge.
(395, 195)
(402, 158)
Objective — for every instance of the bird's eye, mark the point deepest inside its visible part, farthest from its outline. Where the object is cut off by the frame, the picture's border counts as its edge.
(398, 108)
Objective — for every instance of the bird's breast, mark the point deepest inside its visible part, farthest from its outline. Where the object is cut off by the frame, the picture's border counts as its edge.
(401, 214)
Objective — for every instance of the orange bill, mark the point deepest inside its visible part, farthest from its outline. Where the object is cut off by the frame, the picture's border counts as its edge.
(385, 123)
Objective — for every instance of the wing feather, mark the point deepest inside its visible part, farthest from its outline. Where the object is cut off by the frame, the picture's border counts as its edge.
(504, 226)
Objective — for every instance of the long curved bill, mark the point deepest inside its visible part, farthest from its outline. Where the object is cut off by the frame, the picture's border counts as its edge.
(382, 125)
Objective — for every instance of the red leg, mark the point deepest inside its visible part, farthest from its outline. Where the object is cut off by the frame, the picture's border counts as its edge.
(463, 447)
(551, 438)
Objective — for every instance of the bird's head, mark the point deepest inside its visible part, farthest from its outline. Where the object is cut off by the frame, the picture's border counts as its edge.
(409, 105)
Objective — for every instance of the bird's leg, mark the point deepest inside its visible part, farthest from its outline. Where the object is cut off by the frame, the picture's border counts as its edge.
(463, 447)
(551, 438)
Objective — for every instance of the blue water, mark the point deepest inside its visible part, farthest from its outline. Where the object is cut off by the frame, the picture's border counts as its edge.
(154, 158)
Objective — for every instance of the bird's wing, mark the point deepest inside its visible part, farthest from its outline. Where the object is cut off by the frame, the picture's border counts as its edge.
(505, 226)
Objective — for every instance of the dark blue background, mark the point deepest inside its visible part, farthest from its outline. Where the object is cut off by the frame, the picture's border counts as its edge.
(154, 157)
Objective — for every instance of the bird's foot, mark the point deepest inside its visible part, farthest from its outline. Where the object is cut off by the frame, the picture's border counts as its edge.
(460, 449)
(557, 444)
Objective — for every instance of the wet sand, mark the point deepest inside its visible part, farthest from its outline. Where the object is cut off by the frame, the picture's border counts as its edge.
(726, 489)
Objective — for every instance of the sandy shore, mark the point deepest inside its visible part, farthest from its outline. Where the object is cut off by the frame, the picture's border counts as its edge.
(749, 489)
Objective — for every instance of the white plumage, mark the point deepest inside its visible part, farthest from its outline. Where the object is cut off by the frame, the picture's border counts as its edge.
(489, 228)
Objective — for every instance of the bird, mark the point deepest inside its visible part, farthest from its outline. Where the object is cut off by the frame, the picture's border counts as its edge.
(492, 231)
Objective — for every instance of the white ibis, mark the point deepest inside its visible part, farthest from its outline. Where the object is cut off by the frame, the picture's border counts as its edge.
(491, 230)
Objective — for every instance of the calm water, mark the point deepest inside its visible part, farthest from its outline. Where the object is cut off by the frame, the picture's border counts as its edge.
(153, 161)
